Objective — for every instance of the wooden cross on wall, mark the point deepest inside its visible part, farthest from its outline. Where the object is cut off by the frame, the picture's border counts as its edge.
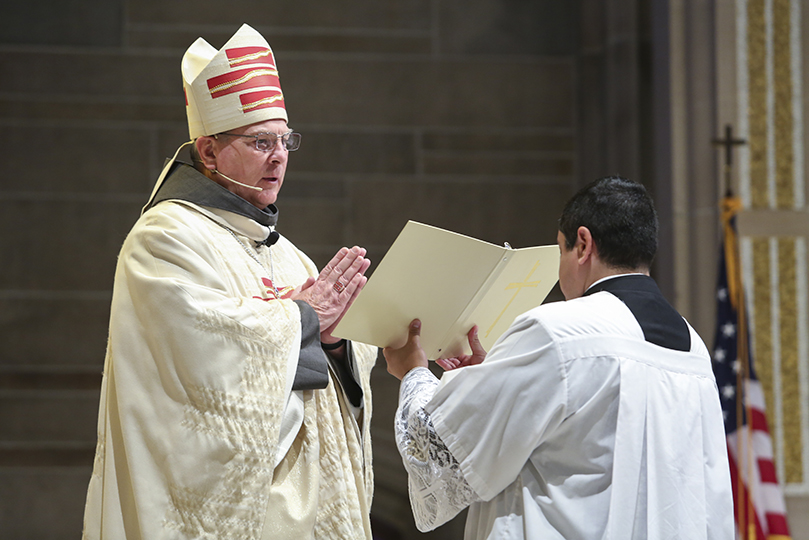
(728, 143)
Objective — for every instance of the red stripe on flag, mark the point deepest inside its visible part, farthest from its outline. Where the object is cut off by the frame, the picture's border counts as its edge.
(759, 420)
(242, 79)
(777, 524)
(263, 99)
(744, 504)
(766, 469)
(250, 55)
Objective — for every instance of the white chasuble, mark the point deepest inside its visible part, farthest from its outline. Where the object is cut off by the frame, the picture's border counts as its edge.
(200, 435)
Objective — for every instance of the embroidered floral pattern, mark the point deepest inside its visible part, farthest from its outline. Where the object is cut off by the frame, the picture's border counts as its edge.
(438, 490)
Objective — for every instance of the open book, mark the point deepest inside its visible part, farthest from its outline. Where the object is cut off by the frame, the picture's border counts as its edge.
(451, 282)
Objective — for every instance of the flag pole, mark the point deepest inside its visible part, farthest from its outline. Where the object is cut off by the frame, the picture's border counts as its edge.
(746, 518)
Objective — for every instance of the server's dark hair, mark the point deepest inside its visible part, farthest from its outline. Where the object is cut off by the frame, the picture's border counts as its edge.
(621, 217)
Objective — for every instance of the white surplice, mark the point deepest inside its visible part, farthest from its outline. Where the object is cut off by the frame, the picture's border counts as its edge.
(199, 433)
(574, 427)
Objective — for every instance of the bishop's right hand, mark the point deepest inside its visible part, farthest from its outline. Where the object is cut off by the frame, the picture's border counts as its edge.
(335, 288)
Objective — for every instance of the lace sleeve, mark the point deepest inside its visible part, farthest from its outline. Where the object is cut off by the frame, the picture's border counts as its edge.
(438, 490)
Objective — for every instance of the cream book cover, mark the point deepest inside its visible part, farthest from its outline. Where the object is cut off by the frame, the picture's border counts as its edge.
(451, 282)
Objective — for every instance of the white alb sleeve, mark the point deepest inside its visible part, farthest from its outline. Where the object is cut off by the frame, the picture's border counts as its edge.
(438, 489)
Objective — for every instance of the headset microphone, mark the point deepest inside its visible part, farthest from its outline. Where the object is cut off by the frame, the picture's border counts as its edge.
(226, 177)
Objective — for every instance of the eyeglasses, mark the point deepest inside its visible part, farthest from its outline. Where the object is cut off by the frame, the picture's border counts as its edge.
(267, 141)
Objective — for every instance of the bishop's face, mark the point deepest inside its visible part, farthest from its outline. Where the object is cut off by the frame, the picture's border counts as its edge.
(238, 158)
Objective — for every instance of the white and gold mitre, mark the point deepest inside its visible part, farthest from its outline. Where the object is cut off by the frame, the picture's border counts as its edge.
(226, 89)
(235, 86)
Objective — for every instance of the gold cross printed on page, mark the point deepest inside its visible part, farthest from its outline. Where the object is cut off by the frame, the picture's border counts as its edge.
(519, 286)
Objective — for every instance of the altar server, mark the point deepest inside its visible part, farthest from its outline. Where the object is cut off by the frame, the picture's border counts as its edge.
(593, 418)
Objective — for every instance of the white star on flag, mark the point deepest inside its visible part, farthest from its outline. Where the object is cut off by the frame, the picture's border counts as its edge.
(729, 329)
(719, 355)
(728, 391)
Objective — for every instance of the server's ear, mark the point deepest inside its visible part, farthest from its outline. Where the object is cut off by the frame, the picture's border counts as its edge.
(585, 246)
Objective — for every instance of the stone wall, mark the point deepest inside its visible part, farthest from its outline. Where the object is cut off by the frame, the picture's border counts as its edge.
(459, 114)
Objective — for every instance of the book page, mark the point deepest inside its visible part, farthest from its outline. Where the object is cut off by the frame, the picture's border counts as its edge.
(428, 273)
(439, 277)
(526, 278)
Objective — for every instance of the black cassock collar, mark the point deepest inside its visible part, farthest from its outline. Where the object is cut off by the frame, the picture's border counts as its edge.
(660, 322)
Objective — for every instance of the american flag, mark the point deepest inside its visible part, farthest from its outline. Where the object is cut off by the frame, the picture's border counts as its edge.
(759, 507)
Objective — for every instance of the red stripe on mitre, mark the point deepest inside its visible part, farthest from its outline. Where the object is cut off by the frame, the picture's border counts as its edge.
(242, 79)
(250, 55)
(263, 99)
